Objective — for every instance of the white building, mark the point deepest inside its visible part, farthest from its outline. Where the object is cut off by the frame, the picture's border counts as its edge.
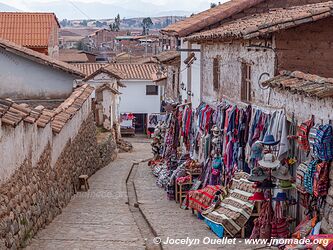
(106, 96)
(191, 83)
(30, 75)
(140, 95)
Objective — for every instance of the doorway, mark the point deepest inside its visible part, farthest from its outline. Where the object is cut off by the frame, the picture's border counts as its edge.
(140, 123)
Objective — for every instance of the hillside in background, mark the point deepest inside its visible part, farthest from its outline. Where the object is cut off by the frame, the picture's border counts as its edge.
(127, 23)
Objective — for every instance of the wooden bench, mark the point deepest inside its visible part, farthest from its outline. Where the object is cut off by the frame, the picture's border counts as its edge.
(83, 181)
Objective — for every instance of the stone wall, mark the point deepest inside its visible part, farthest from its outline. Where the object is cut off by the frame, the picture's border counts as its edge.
(35, 194)
(231, 57)
(107, 150)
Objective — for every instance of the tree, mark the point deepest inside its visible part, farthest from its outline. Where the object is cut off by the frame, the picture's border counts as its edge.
(84, 23)
(115, 26)
(65, 23)
(99, 24)
(146, 24)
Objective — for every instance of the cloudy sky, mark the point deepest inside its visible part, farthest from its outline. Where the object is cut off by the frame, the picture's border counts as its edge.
(72, 9)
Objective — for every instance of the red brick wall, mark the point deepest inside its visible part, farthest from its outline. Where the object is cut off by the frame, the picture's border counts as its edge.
(308, 48)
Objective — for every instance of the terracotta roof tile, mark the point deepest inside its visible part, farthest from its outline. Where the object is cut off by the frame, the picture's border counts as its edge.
(136, 71)
(268, 22)
(167, 56)
(108, 70)
(28, 29)
(89, 68)
(70, 106)
(12, 113)
(40, 58)
(73, 57)
(301, 83)
(209, 17)
(128, 71)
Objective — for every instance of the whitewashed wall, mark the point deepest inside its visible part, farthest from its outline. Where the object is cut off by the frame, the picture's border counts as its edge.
(303, 107)
(135, 100)
(230, 67)
(191, 76)
(24, 79)
(183, 76)
(110, 101)
(69, 131)
(196, 77)
(17, 144)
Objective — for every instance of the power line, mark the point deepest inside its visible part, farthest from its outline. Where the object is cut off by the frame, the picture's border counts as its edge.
(78, 9)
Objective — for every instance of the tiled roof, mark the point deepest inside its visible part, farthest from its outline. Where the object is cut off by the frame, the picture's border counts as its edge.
(128, 71)
(268, 22)
(300, 83)
(134, 59)
(70, 106)
(73, 57)
(12, 113)
(39, 57)
(89, 68)
(136, 71)
(107, 86)
(27, 29)
(167, 56)
(209, 17)
(108, 70)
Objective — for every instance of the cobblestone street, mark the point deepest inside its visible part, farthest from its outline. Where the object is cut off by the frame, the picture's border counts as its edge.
(101, 218)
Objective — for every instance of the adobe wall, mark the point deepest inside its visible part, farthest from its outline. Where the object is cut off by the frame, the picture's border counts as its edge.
(312, 54)
(40, 168)
(231, 57)
(37, 191)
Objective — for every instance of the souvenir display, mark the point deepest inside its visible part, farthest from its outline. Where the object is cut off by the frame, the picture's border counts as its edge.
(228, 150)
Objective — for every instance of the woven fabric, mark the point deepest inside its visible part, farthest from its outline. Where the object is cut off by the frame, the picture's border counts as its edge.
(321, 180)
(300, 173)
(201, 199)
(235, 210)
(303, 134)
(308, 177)
(324, 143)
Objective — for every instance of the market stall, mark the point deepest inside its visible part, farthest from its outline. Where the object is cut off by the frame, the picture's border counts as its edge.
(284, 167)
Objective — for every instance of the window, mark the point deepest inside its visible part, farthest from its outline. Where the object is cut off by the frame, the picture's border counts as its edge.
(151, 90)
(216, 73)
(246, 82)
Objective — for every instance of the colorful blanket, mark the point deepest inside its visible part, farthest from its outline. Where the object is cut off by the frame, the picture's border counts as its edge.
(234, 211)
(201, 199)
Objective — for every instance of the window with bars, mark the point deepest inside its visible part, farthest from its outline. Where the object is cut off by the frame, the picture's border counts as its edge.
(246, 82)
(216, 73)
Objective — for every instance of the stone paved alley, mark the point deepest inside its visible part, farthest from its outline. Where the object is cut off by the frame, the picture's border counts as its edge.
(101, 218)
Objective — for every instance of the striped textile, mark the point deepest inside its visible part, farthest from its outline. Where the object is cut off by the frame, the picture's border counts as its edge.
(201, 199)
(235, 210)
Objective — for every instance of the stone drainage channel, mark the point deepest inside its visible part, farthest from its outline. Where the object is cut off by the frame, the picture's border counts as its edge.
(146, 230)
